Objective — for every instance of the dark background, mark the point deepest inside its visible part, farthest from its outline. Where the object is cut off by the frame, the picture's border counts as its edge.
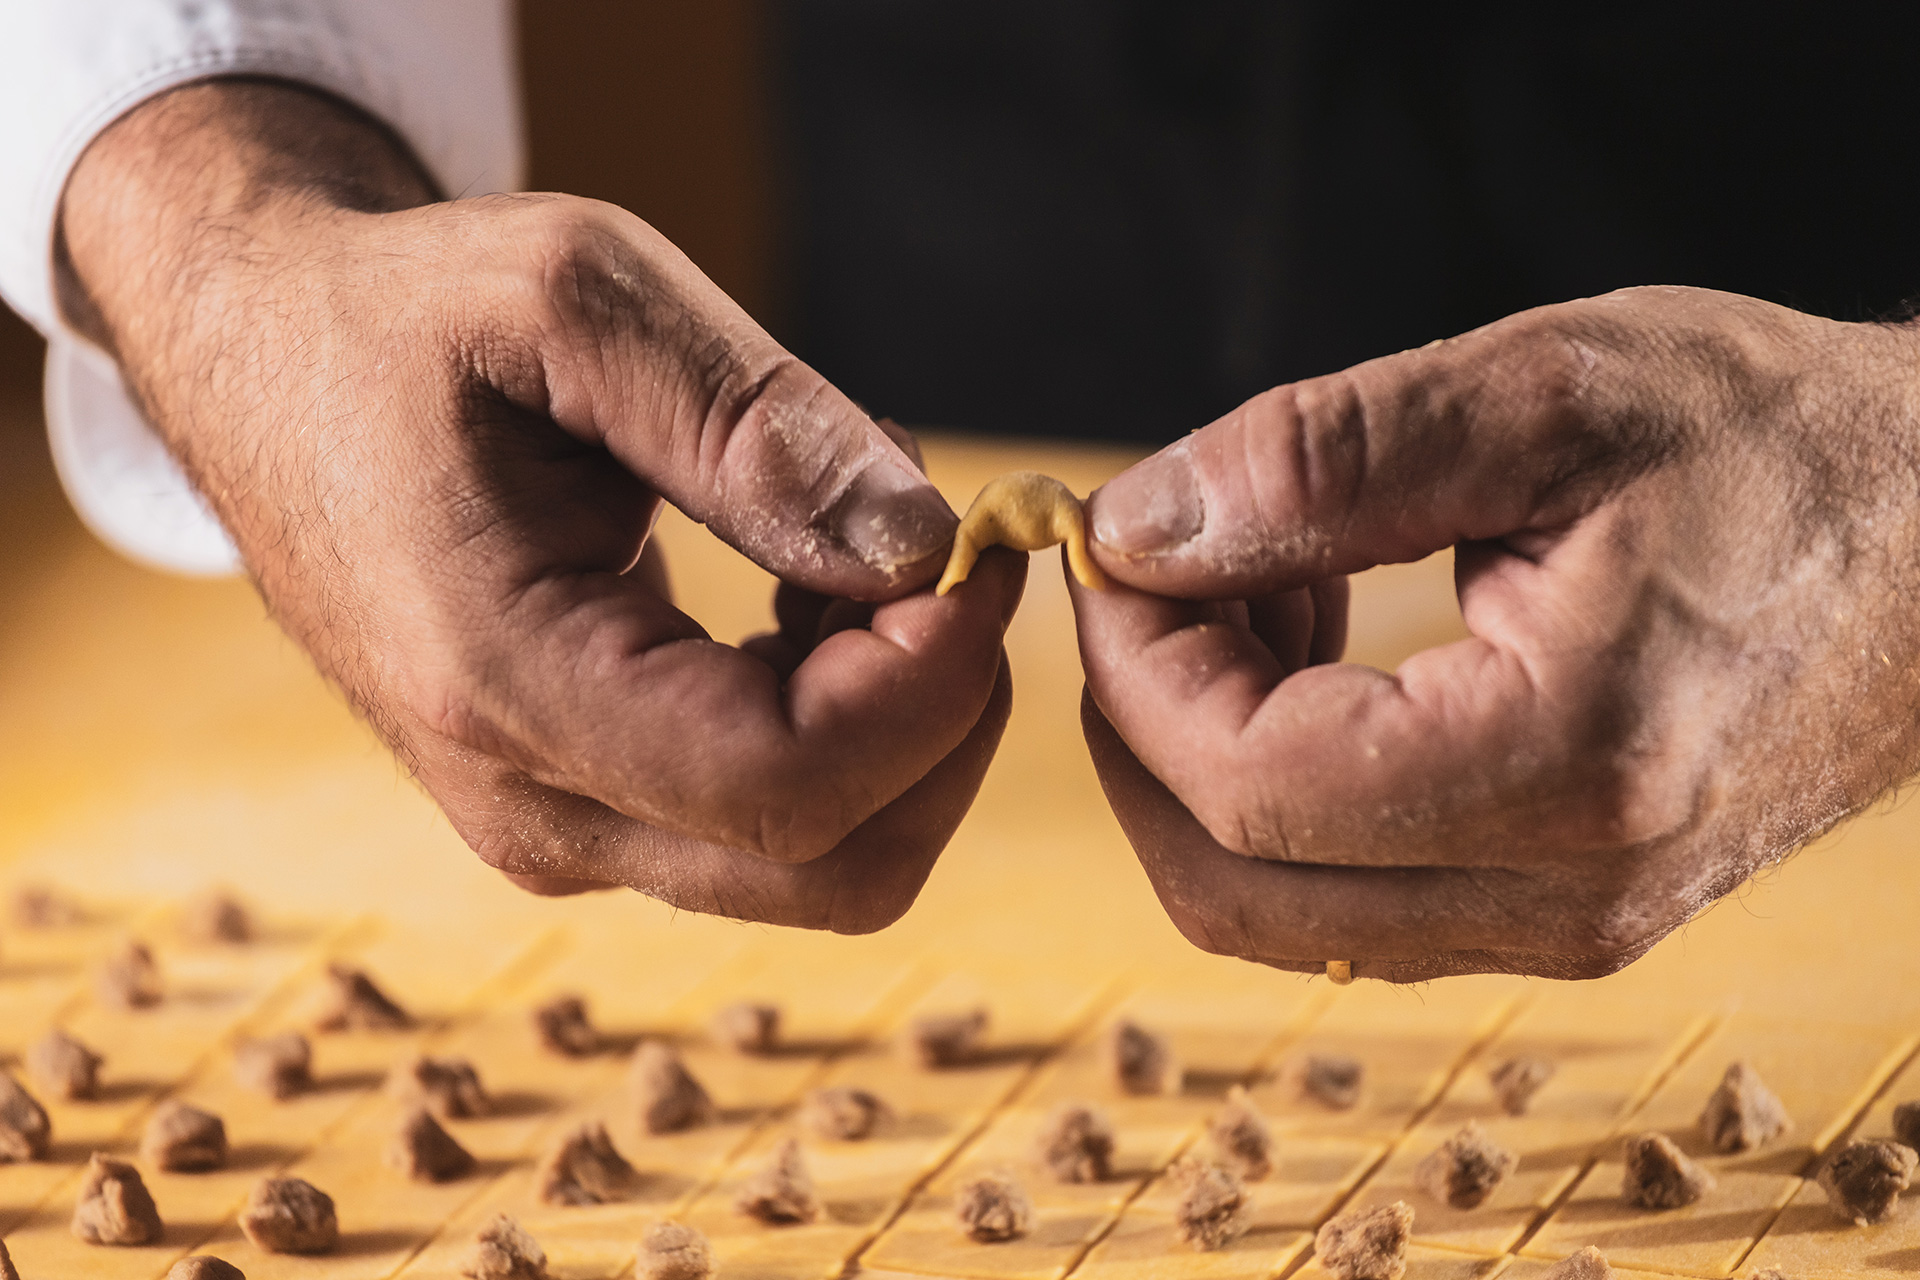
(1121, 217)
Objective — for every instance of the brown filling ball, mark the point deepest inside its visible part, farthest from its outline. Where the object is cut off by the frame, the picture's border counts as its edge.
(1331, 1079)
(1516, 1080)
(666, 1097)
(1465, 1169)
(504, 1251)
(25, 1131)
(288, 1215)
(63, 1067)
(279, 1065)
(1212, 1211)
(448, 1087)
(1588, 1264)
(217, 917)
(354, 1002)
(670, 1251)
(1865, 1179)
(202, 1267)
(1742, 1113)
(1660, 1176)
(842, 1114)
(1076, 1144)
(1367, 1244)
(563, 1027)
(1241, 1137)
(184, 1139)
(782, 1192)
(425, 1152)
(747, 1027)
(115, 1206)
(585, 1168)
(129, 979)
(993, 1208)
(1141, 1062)
(940, 1040)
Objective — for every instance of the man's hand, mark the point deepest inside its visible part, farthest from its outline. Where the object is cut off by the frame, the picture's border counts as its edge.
(440, 433)
(1687, 530)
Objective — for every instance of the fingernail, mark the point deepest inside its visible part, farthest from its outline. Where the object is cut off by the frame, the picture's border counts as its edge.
(1152, 507)
(892, 520)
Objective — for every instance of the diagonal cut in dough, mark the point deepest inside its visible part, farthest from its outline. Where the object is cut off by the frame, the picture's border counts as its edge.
(1028, 512)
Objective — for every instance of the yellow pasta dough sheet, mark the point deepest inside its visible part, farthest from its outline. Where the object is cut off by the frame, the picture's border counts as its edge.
(173, 742)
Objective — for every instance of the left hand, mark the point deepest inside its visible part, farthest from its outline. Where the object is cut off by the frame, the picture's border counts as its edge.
(1687, 535)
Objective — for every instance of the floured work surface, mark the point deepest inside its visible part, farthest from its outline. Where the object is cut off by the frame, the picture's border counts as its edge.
(157, 738)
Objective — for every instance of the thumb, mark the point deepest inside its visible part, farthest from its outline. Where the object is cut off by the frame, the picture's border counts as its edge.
(641, 353)
(1388, 461)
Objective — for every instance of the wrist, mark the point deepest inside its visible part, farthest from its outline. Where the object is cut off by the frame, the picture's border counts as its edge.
(175, 214)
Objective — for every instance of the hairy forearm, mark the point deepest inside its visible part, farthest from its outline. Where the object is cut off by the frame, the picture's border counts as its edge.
(173, 205)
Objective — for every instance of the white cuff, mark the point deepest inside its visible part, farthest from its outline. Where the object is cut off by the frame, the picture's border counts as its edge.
(439, 72)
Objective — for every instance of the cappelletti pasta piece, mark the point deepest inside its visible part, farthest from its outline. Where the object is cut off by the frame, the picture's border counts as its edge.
(1028, 512)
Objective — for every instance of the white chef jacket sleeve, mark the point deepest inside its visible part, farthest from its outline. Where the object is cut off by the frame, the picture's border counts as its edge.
(440, 73)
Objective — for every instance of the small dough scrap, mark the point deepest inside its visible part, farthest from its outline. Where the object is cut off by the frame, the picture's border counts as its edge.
(216, 916)
(425, 1152)
(841, 1113)
(1516, 1080)
(563, 1026)
(1140, 1061)
(1367, 1244)
(1334, 1080)
(63, 1067)
(1588, 1264)
(1076, 1143)
(25, 1131)
(584, 1168)
(129, 979)
(504, 1251)
(1770, 1273)
(1241, 1137)
(993, 1208)
(448, 1087)
(947, 1039)
(289, 1215)
(1864, 1181)
(279, 1065)
(1213, 1210)
(671, 1251)
(1465, 1169)
(781, 1194)
(199, 1267)
(666, 1097)
(1660, 1176)
(1743, 1113)
(1028, 512)
(748, 1027)
(184, 1139)
(114, 1205)
(354, 1002)
(42, 906)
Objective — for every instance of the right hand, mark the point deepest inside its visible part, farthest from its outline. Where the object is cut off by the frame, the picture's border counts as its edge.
(440, 433)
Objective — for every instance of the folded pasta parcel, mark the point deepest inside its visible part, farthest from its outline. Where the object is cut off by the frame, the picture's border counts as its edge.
(1028, 512)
